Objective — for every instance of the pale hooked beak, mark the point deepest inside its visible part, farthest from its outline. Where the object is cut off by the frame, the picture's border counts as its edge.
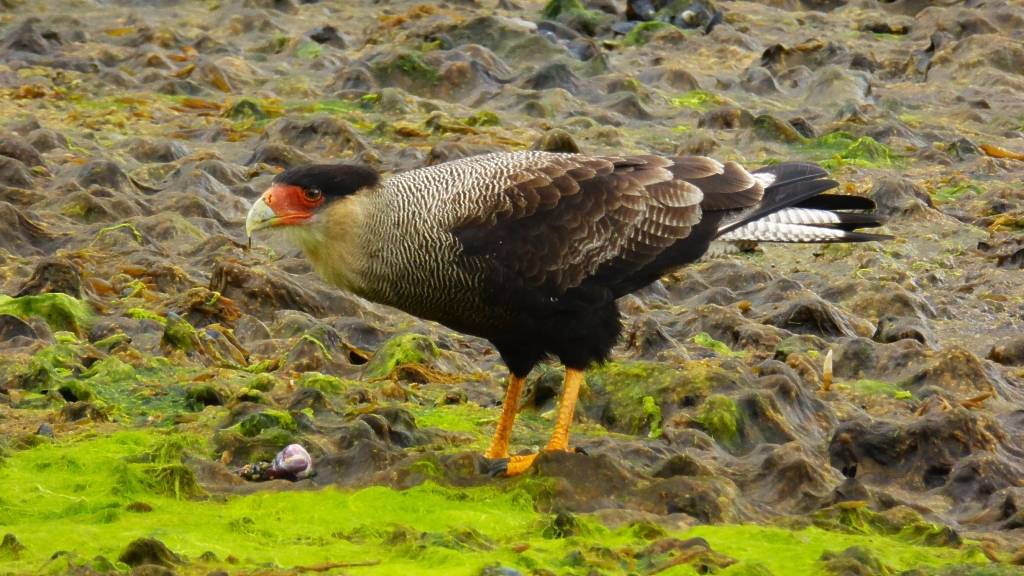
(260, 216)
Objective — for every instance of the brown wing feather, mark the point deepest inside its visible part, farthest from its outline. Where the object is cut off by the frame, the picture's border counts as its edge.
(572, 218)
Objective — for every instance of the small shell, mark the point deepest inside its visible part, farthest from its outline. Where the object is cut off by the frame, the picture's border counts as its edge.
(292, 462)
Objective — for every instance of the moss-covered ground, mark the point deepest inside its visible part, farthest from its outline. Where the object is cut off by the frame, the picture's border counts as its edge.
(88, 491)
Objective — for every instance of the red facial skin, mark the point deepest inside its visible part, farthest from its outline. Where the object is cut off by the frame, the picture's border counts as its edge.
(292, 205)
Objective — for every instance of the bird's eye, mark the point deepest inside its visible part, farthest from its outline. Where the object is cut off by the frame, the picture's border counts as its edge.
(313, 194)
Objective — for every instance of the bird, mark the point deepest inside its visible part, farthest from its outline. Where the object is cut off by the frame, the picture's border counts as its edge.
(531, 250)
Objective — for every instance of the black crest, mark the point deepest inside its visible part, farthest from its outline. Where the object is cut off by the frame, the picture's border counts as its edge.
(334, 180)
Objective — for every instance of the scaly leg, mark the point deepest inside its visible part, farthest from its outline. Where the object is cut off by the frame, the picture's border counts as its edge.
(560, 438)
(499, 444)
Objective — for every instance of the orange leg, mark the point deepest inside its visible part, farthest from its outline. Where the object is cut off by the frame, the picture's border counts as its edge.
(499, 444)
(560, 438)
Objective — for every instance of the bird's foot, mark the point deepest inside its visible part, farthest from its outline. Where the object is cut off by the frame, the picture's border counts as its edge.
(516, 465)
(519, 464)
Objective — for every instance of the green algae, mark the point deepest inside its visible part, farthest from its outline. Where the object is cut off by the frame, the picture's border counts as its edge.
(84, 489)
(951, 193)
(402, 349)
(697, 99)
(179, 334)
(260, 422)
(705, 340)
(143, 314)
(590, 20)
(483, 118)
(719, 417)
(60, 311)
(641, 34)
(870, 387)
(123, 226)
(842, 148)
(626, 384)
(412, 66)
(323, 382)
(653, 413)
(309, 51)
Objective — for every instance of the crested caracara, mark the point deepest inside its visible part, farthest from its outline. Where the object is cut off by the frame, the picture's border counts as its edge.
(530, 250)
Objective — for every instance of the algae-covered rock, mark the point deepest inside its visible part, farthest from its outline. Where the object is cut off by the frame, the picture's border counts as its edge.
(402, 349)
(719, 417)
(255, 425)
(60, 311)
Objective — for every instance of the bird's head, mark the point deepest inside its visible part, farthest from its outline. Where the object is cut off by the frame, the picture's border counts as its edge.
(304, 196)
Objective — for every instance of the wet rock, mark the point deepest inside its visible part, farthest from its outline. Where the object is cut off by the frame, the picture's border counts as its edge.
(21, 151)
(146, 150)
(580, 483)
(918, 454)
(148, 551)
(817, 317)
(261, 292)
(900, 198)
(358, 464)
(25, 38)
(726, 118)
(278, 155)
(708, 500)
(14, 330)
(322, 134)
(854, 560)
(555, 75)
(1008, 352)
(557, 140)
(54, 275)
(835, 86)
(670, 78)
(771, 128)
(14, 173)
(895, 328)
(329, 35)
(640, 10)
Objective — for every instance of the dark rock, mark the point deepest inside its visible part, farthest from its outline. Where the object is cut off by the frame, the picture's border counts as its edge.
(813, 315)
(55, 275)
(900, 198)
(918, 454)
(894, 328)
(278, 155)
(327, 34)
(768, 127)
(322, 133)
(261, 292)
(854, 560)
(358, 464)
(161, 150)
(45, 140)
(148, 551)
(1008, 352)
(640, 10)
(669, 77)
(25, 38)
(14, 173)
(557, 140)
(12, 327)
(107, 174)
(554, 75)
(726, 118)
(20, 151)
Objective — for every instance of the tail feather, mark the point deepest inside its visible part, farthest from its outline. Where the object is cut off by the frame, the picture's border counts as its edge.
(794, 209)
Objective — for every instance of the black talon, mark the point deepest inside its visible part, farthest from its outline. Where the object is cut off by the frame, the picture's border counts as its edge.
(496, 467)
(579, 450)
